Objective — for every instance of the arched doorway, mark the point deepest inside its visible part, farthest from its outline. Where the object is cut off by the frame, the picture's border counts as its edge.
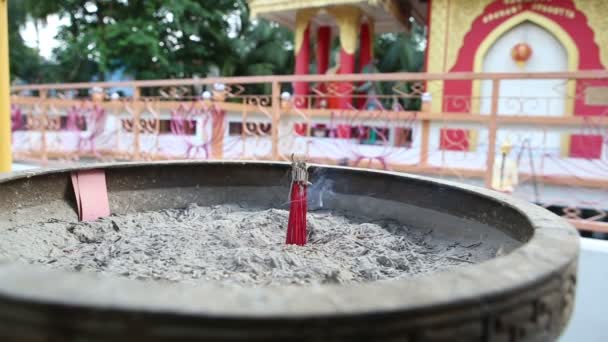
(553, 51)
(526, 97)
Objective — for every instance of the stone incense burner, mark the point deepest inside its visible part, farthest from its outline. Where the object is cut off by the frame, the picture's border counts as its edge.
(522, 293)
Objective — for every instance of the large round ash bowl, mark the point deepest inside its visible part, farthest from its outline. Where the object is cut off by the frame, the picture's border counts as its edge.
(509, 275)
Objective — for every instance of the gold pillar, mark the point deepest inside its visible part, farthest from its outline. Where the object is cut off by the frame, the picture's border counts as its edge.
(6, 159)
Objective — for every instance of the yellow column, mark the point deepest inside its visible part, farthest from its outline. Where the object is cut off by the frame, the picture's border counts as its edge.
(6, 159)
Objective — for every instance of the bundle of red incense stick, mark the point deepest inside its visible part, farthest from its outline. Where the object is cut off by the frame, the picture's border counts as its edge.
(296, 228)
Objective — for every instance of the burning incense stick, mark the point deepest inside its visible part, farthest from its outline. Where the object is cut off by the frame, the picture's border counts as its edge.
(296, 228)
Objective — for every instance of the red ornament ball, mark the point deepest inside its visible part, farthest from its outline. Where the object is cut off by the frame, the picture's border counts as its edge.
(521, 53)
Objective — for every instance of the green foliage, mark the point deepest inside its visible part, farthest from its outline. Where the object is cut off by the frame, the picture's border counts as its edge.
(149, 38)
(403, 52)
(266, 49)
(25, 61)
(152, 39)
(261, 48)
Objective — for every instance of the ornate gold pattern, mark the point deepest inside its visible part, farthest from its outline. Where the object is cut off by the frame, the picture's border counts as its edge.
(437, 36)
(595, 11)
(435, 51)
(452, 25)
(462, 15)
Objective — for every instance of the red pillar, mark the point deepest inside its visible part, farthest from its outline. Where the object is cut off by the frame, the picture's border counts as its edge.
(347, 66)
(348, 19)
(302, 66)
(366, 53)
(323, 51)
(323, 47)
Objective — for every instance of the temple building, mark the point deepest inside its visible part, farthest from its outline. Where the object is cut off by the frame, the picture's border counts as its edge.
(463, 36)
(355, 22)
(482, 36)
(524, 36)
(513, 95)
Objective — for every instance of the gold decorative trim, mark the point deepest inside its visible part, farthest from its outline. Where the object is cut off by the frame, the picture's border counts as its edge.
(348, 19)
(303, 18)
(544, 22)
(269, 7)
(473, 139)
(257, 7)
(462, 16)
(597, 18)
(438, 28)
(436, 52)
(565, 145)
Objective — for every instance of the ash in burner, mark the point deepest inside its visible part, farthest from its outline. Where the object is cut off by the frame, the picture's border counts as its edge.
(236, 246)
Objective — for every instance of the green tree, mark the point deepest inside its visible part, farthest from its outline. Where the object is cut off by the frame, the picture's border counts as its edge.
(402, 52)
(261, 48)
(149, 38)
(174, 39)
(25, 62)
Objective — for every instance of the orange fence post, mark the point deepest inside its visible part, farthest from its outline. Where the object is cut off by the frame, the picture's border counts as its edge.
(136, 123)
(426, 130)
(492, 127)
(44, 125)
(276, 116)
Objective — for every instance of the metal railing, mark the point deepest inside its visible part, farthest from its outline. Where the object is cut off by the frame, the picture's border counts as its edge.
(448, 125)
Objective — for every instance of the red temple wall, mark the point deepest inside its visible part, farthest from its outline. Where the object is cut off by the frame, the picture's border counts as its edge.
(562, 12)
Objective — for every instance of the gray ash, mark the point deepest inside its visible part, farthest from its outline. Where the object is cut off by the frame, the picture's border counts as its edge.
(235, 246)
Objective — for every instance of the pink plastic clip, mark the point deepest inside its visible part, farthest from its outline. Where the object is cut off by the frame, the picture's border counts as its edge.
(91, 194)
